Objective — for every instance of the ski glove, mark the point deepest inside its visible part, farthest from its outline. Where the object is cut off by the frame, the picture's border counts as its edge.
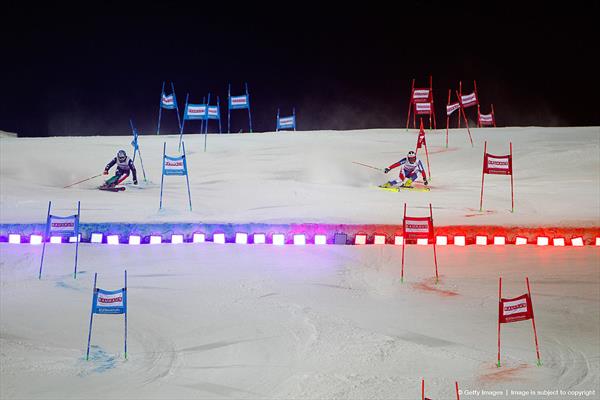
(425, 182)
(105, 172)
(385, 171)
(135, 181)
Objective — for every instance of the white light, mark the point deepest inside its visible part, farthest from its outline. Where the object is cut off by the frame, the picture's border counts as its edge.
(558, 241)
(134, 240)
(499, 240)
(219, 238)
(459, 240)
(320, 239)
(55, 239)
(379, 239)
(398, 240)
(259, 238)
(299, 240)
(14, 239)
(96, 238)
(422, 242)
(112, 239)
(35, 239)
(278, 239)
(520, 241)
(155, 239)
(241, 238)
(176, 239)
(481, 240)
(598, 241)
(73, 239)
(360, 239)
(199, 238)
(542, 241)
(441, 240)
(578, 241)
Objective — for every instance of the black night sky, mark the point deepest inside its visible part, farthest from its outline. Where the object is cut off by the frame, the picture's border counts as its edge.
(86, 71)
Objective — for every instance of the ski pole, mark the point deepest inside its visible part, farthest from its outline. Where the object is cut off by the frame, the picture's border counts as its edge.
(73, 184)
(365, 165)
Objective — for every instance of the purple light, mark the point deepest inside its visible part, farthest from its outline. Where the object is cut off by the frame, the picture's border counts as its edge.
(35, 239)
(441, 240)
(299, 240)
(73, 239)
(259, 238)
(135, 240)
(176, 239)
(219, 238)
(14, 238)
(155, 239)
(56, 239)
(199, 238)
(112, 239)
(241, 238)
(96, 238)
(278, 239)
(320, 239)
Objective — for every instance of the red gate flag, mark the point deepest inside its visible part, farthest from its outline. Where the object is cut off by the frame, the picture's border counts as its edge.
(468, 100)
(421, 103)
(486, 119)
(516, 309)
(497, 165)
(418, 228)
(423, 108)
(450, 108)
(421, 140)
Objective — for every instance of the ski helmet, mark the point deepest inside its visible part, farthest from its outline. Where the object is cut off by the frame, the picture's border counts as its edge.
(121, 155)
(412, 157)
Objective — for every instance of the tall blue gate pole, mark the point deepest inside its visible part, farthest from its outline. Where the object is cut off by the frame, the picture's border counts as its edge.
(87, 355)
(176, 105)
(125, 304)
(219, 114)
(228, 107)
(183, 123)
(187, 176)
(44, 239)
(162, 178)
(160, 108)
(249, 113)
(206, 127)
(77, 239)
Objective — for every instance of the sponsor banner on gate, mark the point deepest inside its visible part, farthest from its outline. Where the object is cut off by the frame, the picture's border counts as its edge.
(421, 95)
(486, 119)
(110, 301)
(450, 108)
(238, 102)
(174, 166)
(516, 309)
(499, 165)
(423, 108)
(214, 112)
(287, 122)
(195, 111)
(63, 225)
(468, 100)
(417, 228)
(168, 102)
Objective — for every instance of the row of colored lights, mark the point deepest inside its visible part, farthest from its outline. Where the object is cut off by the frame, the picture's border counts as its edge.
(298, 239)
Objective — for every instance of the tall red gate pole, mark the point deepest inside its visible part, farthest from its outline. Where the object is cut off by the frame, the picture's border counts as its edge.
(434, 252)
(403, 242)
(482, 176)
(499, 311)
(512, 192)
(537, 348)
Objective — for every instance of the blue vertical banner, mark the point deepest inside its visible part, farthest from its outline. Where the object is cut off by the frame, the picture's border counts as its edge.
(108, 302)
(167, 102)
(174, 166)
(136, 147)
(240, 102)
(288, 122)
(63, 226)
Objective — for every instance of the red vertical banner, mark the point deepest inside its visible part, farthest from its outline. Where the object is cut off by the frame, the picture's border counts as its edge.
(415, 228)
(514, 310)
(497, 165)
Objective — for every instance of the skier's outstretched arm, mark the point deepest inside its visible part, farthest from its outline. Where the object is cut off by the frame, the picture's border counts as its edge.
(109, 165)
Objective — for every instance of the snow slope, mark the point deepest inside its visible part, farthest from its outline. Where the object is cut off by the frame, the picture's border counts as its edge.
(307, 177)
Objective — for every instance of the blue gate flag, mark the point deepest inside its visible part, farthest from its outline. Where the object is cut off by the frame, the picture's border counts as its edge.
(286, 122)
(196, 111)
(110, 301)
(239, 102)
(168, 102)
(134, 142)
(174, 165)
(214, 112)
